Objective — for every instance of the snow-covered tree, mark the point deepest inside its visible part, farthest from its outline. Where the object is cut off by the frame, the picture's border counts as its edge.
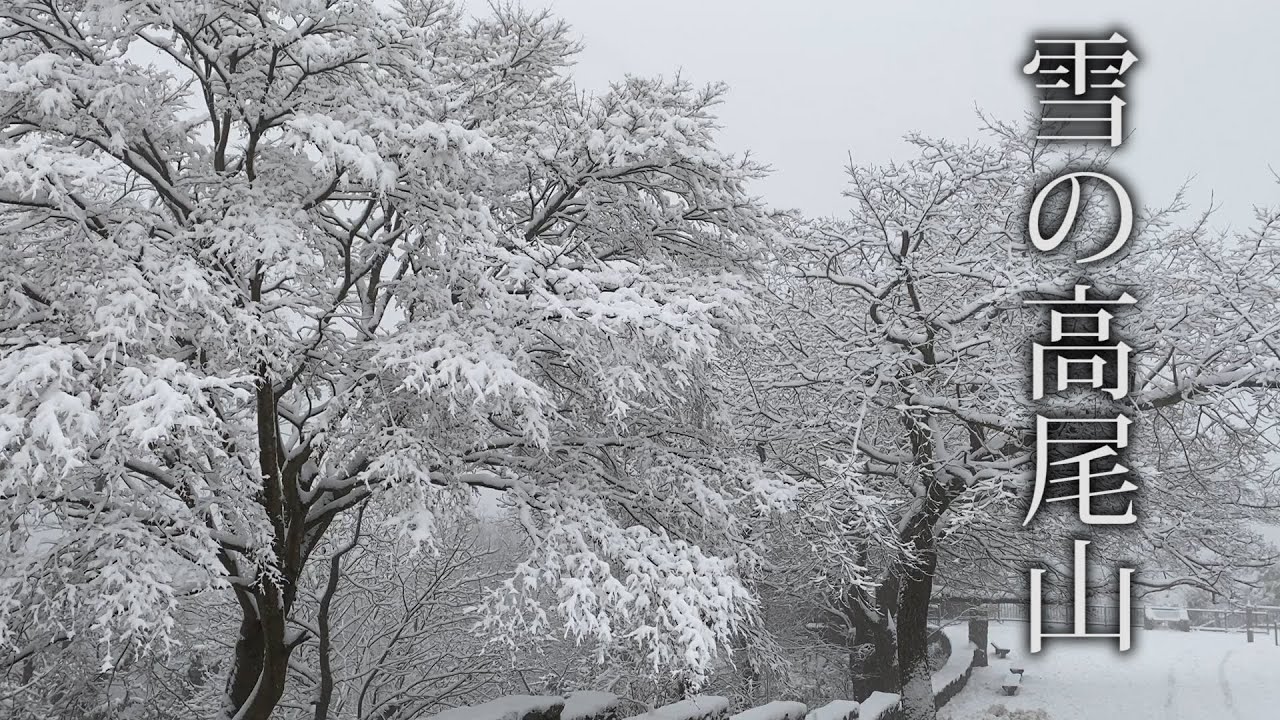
(898, 387)
(263, 261)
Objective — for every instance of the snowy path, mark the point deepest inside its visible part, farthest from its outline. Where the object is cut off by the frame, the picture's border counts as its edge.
(1166, 676)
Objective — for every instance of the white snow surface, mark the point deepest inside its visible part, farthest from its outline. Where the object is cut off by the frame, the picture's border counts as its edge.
(510, 707)
(587, 703)
(961, 656)
(776, 710)
(876, 704)
(698, 706)
(1166, 675)
(835, 710)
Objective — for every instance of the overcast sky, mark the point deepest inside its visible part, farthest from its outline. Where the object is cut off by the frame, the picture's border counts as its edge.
(815, 81)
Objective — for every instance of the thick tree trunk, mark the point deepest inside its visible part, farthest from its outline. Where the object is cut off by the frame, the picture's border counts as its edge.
(874, 623)
(916, 588)
(261, 662)
(913, 630)
(246, 667)
(261, 667)
(877, 672)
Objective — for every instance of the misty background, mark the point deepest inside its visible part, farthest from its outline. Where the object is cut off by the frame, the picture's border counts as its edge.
(813, 83)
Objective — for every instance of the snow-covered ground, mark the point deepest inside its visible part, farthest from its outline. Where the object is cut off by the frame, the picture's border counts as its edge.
(1167, 675)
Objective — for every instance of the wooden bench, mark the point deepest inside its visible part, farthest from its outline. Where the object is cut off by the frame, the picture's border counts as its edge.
(1016, 670)
(1012, 682)
(1001, 653)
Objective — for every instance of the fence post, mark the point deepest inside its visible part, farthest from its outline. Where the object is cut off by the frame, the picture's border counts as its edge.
(978, 627)
(1248, 623)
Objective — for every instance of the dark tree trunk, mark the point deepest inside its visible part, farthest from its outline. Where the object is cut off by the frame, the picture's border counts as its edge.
(262, 651)
(324, 695)
(877, 672)
(258, 676)
(913, 607)
(247, 664)
(874, 624)
(913, 636)
(916, 588)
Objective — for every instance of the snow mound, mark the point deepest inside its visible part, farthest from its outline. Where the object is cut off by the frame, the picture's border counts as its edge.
(698, 707)
(776, 710)
(877, 705)
(835, 710)
(586, 704)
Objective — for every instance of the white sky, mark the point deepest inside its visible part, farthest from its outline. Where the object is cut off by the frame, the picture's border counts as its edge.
(814, 81)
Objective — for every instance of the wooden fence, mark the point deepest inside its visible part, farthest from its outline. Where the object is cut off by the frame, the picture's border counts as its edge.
(1057, 617)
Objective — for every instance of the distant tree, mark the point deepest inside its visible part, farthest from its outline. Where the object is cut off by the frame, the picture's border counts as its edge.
(393, 622)
(897, 389)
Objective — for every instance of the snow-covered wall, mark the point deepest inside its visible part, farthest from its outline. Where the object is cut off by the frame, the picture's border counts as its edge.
(511, 707)
(879, 706)
(590, 705)
(776, 710)
(699, 707)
